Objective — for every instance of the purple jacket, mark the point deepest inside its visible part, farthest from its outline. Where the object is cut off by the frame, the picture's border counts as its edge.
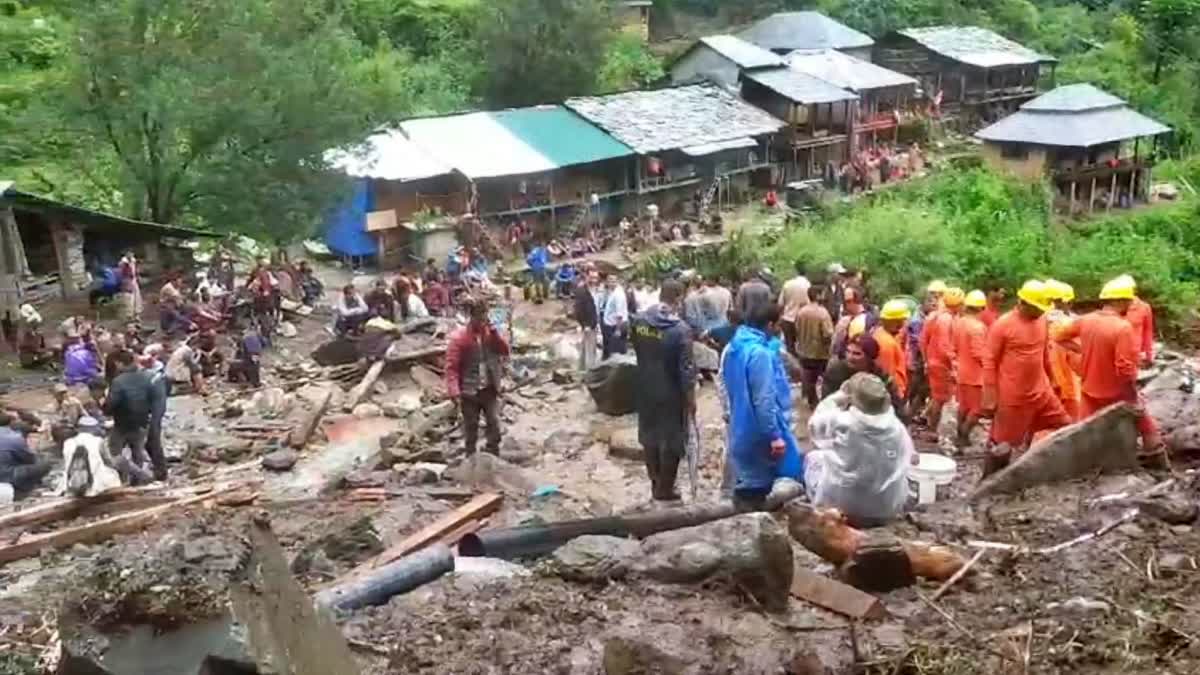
(81, 363)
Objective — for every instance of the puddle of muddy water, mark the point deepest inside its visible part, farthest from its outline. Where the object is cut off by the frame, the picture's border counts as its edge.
(212, 644)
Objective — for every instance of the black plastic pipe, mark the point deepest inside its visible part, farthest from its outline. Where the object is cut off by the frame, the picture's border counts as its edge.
(394, 578)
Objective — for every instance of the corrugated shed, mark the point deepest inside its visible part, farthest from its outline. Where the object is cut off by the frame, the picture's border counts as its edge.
(800, 87)
(785, 31)
(975, 46)
(676, 117)
(846, 71)
(387, 155)
(1073, 116)
(744, 54)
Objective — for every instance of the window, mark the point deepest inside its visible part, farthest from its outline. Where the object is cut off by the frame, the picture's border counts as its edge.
(1014, 151)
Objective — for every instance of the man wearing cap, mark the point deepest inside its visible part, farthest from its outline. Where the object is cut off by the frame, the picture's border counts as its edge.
(937, 344)
(89, 468)
(970, 345)
(892, 359)
(1016, 387)
(1064, 356)
(1110, 358)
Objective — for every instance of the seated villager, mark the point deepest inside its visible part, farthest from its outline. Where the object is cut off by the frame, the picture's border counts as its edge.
(201, 316)
(410, 303)
(105, 284)
(19, 466)
(89, 468)
(350, 311)
(380, 302)
(212, 361)
(81, 361)
(173, 321)
(246, 364)
(861, 453)
(311, 288)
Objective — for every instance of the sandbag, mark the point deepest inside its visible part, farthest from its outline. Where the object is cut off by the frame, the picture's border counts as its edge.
(612, 384)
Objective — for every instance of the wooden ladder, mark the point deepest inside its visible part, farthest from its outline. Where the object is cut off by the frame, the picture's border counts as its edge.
(709, 195)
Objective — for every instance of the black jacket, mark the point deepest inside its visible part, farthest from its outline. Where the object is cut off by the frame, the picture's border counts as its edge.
(130, 400)
(666, 375)
(585, 306)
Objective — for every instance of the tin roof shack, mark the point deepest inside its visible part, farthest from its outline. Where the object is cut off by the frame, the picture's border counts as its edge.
(966, 68)
(884, 95)
(633, 16)
(46, 243)
(1085, 140)
(785, 32)
(721, 59)
(819, 118)
(687, 139)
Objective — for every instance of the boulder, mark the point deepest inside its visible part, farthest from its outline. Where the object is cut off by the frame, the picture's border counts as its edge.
(1175, 409)
(624, 443)
(612, 384)
(592, 558)
(1106, 441)
(365, 410)
(271, 402)
(280, 460)
(751, 549)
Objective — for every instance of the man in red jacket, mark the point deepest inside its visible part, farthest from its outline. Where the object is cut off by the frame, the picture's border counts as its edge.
(474, 363)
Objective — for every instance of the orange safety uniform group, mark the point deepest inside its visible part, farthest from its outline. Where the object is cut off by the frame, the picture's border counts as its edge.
(893, 355)
(937, 344)
(970, 349)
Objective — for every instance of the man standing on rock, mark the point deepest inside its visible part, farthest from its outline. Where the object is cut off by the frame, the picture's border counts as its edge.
(474, 357)
(666, 394)
(587, 316)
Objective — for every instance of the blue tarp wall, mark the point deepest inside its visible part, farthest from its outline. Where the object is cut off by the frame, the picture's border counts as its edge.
(346, 227)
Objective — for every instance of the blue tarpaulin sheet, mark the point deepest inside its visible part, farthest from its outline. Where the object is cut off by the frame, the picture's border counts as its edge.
(346, 227)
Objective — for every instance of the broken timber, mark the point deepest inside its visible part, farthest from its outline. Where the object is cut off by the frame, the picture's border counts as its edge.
(302, 433)
(63, 509)
(835, 596)
(363, 387)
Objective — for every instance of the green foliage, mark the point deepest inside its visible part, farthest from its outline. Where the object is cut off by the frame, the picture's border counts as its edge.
(537, 51)
(628, 64)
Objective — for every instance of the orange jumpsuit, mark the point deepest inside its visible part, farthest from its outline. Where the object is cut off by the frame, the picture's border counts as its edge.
(1064, 364)
(989, 315)
(1141, 317)
(1015, 363)
(892, 359)
(1109, 366)
(937, 345)
(970, 346)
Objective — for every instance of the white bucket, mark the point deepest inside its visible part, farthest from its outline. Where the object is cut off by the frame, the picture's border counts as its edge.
(931, 471)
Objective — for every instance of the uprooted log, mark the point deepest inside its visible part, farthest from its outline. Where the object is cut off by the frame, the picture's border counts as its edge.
(1106, 441)
(304, 431)
(381, 583)
(363, 387)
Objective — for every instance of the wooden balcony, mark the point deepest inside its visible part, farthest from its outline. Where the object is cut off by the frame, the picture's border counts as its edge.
(1098, 171)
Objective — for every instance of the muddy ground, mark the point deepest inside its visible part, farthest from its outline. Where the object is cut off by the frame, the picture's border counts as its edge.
(1124, 603)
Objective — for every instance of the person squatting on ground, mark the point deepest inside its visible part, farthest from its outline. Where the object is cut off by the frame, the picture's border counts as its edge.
(475, 355)
(350, 311)
(666, 396)
(89, 469)
(1016, 387)
(19, 466)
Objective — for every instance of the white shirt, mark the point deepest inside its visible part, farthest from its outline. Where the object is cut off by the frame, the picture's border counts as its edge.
(416, 307)
(104, 477)
(616, 308)
(181, 363)
(29, 314)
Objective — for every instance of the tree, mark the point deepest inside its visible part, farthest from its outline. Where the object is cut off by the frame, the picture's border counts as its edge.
(628, 63)
(219, 112)
(537, 51)
(1169, 27)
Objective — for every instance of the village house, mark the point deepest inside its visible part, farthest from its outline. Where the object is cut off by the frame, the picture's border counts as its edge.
(633, 16)
(966, 69)
(721, 59)
(884, 95)
(1087, 142)
(691, 142)
(48, 247)
(785, 32)
(819, 119)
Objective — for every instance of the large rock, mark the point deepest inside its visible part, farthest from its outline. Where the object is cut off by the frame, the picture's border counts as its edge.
(1176, 410)
(751, 548)
(1107, 441)
(613, 384)
(594, 557)
(280, 460)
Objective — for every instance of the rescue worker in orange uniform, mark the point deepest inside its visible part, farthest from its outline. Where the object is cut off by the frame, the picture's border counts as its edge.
(1064, 355)
(937, 344)
(970, 345)
(1110, 357)
(892, 359)
(1141, 317)
(1016, 386)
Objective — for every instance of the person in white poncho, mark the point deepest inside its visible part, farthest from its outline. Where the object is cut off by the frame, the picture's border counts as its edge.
(861, 453)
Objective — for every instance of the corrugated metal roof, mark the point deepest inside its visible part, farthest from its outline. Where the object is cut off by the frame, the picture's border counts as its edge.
(710, 148)
(9, 195)
(785, 31)
(1079, 117)
(387, 155)
(1074, 97)
(744, 54)
(975, 46)
(800, 87)
(846, 71)
(512, 142)
(675, 117)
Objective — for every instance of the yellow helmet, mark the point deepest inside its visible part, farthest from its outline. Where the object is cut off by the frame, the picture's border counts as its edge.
(1034, 293)
(954, 297)
(1121, 288)
(857, 325)
(894, 309)
(975, 300)
(937, 286)
(1058, 290)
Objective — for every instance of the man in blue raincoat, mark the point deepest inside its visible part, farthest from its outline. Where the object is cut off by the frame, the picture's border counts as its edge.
(762, 446)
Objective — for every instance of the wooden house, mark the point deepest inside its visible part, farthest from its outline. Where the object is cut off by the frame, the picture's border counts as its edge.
(884, 95)
(721, 59)
(785, 32)
(1093, 148)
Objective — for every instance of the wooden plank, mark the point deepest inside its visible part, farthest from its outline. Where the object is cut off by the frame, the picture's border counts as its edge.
(102, 529)
(70, 507)
(452, 538)
(834, 595)
(302, 433)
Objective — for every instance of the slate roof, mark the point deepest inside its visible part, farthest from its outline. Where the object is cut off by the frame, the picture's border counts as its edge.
(1077, 115)
(737, 50)
(785, 31)
(674, 117)
(975, 46)
(845, 71)
(800, 87)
